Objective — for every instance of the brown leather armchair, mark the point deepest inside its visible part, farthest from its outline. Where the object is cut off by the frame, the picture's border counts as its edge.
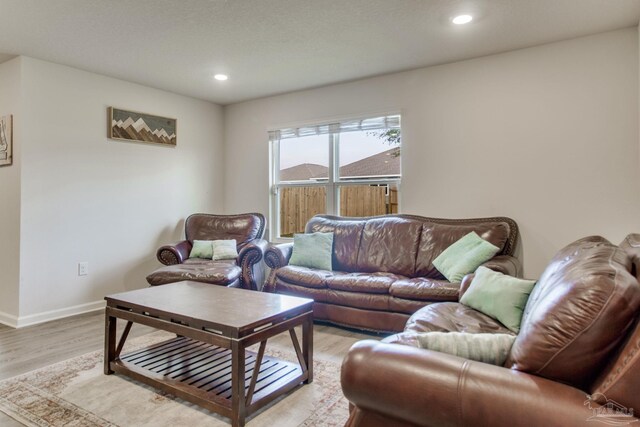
(247, 271)
(576, 358)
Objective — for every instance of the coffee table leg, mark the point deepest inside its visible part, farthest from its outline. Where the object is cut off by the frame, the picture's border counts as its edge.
(307, 346)
(110, 323)
(238, 407)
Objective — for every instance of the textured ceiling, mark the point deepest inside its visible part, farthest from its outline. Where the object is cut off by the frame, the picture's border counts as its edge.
(275, 46)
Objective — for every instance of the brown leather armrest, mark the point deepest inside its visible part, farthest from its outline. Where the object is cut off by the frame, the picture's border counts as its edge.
(505, 264)
(427, 388)
(277, 256)
(176, 253)
(466, 282)
(249, 259)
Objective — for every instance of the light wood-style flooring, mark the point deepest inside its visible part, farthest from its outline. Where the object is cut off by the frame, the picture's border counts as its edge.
(23, 350)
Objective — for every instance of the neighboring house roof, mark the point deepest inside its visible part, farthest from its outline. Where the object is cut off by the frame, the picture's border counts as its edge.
(386, 163)
(381, 164)
(304, 172)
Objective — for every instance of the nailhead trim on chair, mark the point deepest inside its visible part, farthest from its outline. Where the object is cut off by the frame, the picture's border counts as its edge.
(168, 258)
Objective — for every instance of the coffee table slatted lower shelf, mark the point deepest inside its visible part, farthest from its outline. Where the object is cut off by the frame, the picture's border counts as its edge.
(203, 371)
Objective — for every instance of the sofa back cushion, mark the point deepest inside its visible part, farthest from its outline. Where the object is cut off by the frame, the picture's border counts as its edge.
(389, 244)
(582, 307)
(346, 238)
(436, 237)
(242, 228)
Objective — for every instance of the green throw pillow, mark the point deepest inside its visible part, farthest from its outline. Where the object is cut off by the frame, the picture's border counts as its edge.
(312, 250)
(499, 296)
(202, 249)
(224, 249)
(464, 256)
(486, 348)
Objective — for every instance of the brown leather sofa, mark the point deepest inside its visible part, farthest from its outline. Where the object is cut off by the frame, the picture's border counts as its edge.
(575, 360)
(246, 271)
(383, 270)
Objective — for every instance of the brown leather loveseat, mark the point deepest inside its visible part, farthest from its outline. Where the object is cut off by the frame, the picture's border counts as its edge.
(246, 271)
(575, 360)
(383, 266)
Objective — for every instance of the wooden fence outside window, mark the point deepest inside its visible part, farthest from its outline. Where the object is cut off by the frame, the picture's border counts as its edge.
(299, 204)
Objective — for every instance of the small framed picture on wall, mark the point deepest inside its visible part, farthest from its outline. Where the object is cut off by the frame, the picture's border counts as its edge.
(6, 140)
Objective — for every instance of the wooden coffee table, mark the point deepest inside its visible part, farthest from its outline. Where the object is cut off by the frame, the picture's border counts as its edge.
(207, 363)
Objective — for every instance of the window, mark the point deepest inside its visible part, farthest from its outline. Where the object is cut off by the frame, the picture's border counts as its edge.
(350, 168)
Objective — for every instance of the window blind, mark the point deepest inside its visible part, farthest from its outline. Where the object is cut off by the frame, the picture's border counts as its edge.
(375, 123)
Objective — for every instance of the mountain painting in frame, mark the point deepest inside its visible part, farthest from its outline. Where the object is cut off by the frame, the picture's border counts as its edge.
(140, 127)
(6, 140)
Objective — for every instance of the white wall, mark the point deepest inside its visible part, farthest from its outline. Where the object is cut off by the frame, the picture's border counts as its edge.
(10, 195)
(546, 135)
(107, 202)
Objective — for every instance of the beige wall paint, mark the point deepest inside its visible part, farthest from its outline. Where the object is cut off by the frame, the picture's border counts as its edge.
(10, 195)
(546, 135)
(110, 203)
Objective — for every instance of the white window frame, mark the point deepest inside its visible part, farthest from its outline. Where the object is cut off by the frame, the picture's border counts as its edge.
(332, 183)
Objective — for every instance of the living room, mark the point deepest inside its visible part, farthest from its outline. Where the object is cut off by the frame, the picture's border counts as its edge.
(529, 111)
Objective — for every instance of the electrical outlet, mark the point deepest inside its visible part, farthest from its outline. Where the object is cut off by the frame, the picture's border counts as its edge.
(83, 268)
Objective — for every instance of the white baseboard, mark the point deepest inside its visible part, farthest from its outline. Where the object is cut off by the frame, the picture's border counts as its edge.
(46, 316)
(8, 319)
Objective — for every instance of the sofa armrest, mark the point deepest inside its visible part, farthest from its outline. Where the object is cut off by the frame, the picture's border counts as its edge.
(466, 282)
(420, 387)
(249, 259)
(505, 264)
(176, 253)
(276, 256)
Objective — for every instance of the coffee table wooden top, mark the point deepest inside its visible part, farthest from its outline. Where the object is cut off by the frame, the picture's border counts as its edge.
(231, 312)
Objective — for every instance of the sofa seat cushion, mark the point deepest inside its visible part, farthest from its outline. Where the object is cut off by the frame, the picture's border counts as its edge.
(423, 289)
(369, 283)
(362, 300)
(406, 306)
(194, 261)
(453, 317)
(224, 273)
(303, 276)
(446, 317)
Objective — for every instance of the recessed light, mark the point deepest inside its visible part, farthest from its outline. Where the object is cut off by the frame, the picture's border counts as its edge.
(462, 19)
(221, 77)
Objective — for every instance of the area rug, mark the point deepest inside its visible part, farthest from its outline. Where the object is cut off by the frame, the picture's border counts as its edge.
(77, 393)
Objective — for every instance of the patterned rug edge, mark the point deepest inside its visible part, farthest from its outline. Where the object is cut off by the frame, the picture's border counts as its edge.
(31, 420)
(63, 408)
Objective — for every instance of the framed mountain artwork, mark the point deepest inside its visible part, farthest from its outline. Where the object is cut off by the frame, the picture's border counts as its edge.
(140, 127)
(6, 140)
